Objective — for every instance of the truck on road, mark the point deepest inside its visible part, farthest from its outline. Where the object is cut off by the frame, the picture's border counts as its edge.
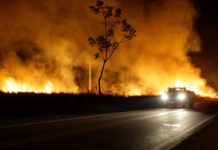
(178, 96)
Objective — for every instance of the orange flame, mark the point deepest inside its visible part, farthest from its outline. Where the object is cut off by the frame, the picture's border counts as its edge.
(193, 88)
(11, 86)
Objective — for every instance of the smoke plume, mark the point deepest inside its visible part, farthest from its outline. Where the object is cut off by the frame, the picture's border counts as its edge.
(45, 42)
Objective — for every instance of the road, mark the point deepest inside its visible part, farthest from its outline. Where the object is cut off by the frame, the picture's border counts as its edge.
(133, 130)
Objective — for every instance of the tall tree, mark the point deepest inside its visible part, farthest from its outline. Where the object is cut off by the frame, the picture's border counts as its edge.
(116, 31)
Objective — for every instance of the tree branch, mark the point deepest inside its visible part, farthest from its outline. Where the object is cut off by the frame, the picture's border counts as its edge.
(102, 56)
(114, 49)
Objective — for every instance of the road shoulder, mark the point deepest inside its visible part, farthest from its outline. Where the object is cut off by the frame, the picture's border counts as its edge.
(206, 139)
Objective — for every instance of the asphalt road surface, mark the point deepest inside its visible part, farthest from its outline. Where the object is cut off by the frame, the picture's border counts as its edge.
(132, 130)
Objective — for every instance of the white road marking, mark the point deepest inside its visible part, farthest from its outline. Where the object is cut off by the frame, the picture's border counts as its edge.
(172, 125)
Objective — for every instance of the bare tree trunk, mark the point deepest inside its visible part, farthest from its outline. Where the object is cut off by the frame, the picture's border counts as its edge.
(99, 79)
(105, 59)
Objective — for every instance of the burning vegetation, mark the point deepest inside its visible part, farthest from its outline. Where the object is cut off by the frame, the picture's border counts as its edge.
(44, 48)
(11, 86)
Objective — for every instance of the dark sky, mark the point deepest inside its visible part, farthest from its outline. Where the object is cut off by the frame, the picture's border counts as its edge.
(207, 27)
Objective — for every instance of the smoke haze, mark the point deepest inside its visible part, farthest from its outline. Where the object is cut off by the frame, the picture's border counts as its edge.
(46, 41)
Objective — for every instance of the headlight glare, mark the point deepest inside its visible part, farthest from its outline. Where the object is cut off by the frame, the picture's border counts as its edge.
(164, 97)
(181, 96)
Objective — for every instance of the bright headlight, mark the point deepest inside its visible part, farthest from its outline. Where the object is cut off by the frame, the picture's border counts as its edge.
(164, 97)
(181, 96)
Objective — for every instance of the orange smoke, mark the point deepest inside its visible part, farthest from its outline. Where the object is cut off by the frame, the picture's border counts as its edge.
(50, 53)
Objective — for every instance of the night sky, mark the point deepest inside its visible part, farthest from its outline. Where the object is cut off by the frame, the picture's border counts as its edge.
(207, 27)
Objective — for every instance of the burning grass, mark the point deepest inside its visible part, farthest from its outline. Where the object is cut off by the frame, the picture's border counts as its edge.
(11, 86)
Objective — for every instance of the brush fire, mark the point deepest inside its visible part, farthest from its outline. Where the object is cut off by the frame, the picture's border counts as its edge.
(50, 53)
(11, 86)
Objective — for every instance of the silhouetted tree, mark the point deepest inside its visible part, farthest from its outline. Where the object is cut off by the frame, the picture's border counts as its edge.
(107, 43)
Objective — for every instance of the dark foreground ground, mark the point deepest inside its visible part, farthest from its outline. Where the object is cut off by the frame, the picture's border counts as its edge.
(29, 121)
(23, 105)
(159, 128)
(206, 139)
